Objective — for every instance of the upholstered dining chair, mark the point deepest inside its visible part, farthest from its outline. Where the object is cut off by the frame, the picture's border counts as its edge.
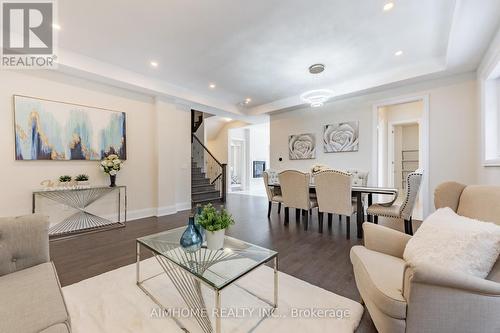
(333, 190)
(295, 194)
(273, 194)
(403, 211)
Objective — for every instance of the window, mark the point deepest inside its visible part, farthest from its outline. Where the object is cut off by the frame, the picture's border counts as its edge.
(490, 105)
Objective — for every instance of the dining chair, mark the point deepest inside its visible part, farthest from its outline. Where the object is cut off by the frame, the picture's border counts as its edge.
(273, 194)
(403, 211)
(295, 194)
(333, 189)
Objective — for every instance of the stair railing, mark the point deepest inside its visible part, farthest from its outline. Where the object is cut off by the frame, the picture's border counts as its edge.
(213, 169)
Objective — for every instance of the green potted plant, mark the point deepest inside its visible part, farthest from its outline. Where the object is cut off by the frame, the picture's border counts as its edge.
(215, 224)
(64, 180)
(82, 180)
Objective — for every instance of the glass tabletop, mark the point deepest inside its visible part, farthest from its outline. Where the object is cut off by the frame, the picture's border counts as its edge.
(217, 268)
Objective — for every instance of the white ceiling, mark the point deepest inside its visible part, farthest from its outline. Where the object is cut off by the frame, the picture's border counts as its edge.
(262, 49)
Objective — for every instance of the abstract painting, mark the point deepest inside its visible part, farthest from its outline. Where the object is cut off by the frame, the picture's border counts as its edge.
(302, 146)
(341, 137)
(51, 130)
(258, 168)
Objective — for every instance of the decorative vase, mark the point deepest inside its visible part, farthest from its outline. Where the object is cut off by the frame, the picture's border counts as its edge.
(191, 239)
(201, 230)
(215, 239)
(112, 180)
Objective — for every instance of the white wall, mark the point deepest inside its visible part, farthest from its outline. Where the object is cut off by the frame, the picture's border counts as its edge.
(145, 150)
(453, 137)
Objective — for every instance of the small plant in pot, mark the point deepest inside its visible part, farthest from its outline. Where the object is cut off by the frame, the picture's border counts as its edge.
(82, 180)
(65, 180)
(215, 224)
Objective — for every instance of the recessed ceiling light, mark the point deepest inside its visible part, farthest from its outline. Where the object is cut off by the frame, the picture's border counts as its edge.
(212, 86)
(154, 63)
(56, 26)
(398, 53)
(388, 6)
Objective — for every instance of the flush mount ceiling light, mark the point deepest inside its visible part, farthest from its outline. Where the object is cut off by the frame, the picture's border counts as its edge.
(398, 53)
(316, 98)
(154, 63)
(388, 6)
(212, 86)
(316, 68)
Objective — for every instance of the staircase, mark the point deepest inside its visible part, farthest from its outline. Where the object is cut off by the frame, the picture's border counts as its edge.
(201, 189)
(208, 175)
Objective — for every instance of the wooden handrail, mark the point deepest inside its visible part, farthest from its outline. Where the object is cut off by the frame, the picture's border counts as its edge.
(216, 178)
(206, 149)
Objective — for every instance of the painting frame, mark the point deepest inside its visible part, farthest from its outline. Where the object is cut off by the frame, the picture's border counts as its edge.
(258, 169)
(341, 137)
(302, 146)
(81, 108)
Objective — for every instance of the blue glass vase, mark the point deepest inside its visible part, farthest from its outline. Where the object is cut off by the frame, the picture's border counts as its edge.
(191, 238)
(201, 230)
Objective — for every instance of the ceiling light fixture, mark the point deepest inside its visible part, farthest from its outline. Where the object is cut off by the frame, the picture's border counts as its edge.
(227, 119)
(248, 100)
(212, 86)
(316, 98)
(56, 26)
(388, 6)
(154, 63)
(398, 53)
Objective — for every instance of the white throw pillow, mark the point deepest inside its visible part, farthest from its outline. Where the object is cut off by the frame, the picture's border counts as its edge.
(455, 242)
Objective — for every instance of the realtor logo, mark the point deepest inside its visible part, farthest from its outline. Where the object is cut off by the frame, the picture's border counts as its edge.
(27, 34)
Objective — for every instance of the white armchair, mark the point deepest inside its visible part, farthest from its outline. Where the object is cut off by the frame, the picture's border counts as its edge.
(428, 299)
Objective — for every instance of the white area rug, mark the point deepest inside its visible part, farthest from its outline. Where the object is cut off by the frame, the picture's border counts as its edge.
(112, 302)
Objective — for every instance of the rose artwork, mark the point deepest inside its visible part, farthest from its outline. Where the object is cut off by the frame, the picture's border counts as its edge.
(341, 137)
(302, 146)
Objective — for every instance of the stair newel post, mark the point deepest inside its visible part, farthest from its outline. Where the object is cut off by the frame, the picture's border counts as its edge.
(223, 190)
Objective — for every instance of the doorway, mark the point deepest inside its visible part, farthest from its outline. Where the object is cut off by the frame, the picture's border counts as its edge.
(237, 165)
(401, 147)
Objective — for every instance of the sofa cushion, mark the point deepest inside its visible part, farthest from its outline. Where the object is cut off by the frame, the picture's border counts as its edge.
(379, 278)
(57, 328)
(24, 242)
(456, 243)
(480, 203)
(34, 299)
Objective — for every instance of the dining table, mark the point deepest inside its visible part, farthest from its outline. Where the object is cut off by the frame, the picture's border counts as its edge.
(357, 192)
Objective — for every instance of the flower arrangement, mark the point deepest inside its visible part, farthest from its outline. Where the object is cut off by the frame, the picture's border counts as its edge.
(111, 164)
(212, 220)
(318, 168)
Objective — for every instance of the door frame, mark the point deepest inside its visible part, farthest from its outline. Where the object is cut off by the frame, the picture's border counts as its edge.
(242, 145)
(424, 149)
(390, 142)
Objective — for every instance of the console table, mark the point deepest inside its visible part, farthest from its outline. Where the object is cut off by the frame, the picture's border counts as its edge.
(82, 221)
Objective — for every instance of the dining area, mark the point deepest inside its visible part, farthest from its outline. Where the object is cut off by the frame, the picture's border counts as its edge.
(340, 195)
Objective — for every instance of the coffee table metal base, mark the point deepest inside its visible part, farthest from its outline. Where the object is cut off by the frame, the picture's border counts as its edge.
(189, 288)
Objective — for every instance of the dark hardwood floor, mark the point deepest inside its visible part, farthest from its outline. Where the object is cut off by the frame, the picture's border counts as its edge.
(320, 259)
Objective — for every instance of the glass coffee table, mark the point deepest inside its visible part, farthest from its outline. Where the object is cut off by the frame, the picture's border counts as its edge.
(214, 269)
